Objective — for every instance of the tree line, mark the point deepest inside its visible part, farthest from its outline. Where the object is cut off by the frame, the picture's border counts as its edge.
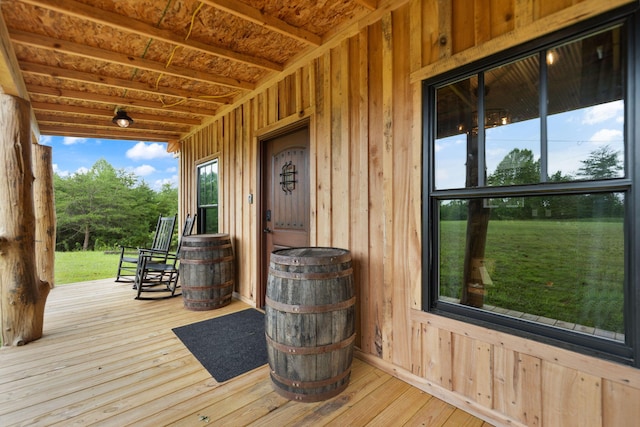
(519, 167)
(106, 207)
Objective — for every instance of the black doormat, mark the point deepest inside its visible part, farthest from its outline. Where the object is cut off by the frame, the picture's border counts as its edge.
(229, 345)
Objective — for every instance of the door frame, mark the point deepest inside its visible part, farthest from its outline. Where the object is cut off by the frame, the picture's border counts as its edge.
(262, 137)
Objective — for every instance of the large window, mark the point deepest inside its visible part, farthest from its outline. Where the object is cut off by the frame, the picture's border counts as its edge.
(530, 193)
(208, 197)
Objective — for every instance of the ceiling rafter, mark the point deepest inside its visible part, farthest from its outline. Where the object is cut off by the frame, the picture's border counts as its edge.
(114, 101)
(254, 15)
(93, 14)
(70, 48)
(369, 4)
(49, 118)
(11, 81)
(90, 78)
(110, 127)
(116, 133)
(76, 76)
(108, 113)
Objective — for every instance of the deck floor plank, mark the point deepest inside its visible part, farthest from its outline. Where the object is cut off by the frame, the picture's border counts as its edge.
(106, 359)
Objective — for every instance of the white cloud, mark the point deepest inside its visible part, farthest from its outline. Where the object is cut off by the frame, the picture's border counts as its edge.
(144, 170)
(606, 136)
(173, 180)
(71, 140)
(56, 169)
(603, 112)
(171, 169)
(45, 139)
(142, 151)
(81, 170)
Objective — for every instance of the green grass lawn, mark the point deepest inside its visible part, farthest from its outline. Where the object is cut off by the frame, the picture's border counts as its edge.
(566, 270)
(71, 267)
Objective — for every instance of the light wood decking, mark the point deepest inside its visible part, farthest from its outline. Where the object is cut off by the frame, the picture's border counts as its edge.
(107, 359)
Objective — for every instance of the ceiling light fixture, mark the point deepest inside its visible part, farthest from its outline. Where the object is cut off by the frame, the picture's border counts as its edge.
(122, 119)
(493, 117)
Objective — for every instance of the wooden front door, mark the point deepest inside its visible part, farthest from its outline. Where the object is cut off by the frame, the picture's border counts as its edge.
(285, 197)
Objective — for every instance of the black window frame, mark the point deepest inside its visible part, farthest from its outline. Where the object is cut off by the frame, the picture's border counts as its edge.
(202, 209)
(627, 352)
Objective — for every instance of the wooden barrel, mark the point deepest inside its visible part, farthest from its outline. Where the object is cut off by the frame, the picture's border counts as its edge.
(206, 271)
(309, 322)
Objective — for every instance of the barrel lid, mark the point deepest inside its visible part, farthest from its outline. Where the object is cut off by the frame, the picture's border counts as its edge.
(310, 256)
(205, 237)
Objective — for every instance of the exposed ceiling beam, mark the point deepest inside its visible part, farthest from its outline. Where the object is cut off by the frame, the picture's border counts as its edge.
(126, 134)
(369, 4)
(91, 78)
(254, 15)
(112, 129)
(11, 80)
(125, 23)
(75, 49)
(115, 101)
(52, 118)
(109, 111)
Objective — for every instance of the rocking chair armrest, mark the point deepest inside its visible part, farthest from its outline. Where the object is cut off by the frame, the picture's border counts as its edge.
(172, 258)
(124, 249)
(151, 255)
(151, 252)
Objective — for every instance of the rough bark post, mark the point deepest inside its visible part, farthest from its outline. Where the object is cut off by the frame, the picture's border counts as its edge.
(477, 224)
(22, 294)
(45, 213)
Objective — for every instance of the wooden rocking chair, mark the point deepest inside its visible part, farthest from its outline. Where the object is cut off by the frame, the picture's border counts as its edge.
(128, 265)
(161, 277)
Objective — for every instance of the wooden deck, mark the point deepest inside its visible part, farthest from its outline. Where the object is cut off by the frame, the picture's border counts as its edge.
(107, 359)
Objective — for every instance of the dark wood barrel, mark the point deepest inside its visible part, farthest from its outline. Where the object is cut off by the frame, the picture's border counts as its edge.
(309, 322)
(206, 271)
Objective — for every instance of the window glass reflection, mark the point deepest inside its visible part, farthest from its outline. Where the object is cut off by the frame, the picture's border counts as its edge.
(558, 260)
(456, 105)
(586, 108)
(512, 120)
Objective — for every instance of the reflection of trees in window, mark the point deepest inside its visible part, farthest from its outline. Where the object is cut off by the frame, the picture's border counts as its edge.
(531, 235)
(208, 197)
(518, 167)
(602, 163)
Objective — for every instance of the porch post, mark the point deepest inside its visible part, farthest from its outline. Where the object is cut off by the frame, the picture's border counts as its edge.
(45, 212)
(22, 294)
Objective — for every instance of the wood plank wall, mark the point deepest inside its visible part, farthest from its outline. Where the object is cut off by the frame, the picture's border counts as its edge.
(362, 98)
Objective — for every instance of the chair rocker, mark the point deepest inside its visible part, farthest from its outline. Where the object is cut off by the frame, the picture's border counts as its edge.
(128, 264)
(160, 277)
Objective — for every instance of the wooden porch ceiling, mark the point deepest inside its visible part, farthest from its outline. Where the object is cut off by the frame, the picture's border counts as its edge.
(169, 64)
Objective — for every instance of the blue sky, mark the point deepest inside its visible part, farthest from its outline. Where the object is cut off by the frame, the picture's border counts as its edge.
(572, 137)
(147, 160)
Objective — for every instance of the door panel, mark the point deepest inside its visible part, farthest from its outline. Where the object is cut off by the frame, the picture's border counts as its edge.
(285, 196)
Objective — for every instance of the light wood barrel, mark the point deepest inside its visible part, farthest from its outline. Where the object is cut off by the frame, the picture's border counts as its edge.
(309, 322)
(206, 271)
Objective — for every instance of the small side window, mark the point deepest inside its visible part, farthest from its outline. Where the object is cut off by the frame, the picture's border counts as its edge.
(208, 197)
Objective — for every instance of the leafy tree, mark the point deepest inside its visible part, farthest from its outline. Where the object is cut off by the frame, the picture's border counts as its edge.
(454, 210)
(104, 205)
(166, 200)
(517, 167)
(602, 163)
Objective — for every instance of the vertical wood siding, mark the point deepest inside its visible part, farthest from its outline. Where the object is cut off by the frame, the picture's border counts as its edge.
(363, 101)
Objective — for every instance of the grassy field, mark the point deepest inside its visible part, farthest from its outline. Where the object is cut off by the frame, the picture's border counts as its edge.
(74, 267)
(567, 270)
